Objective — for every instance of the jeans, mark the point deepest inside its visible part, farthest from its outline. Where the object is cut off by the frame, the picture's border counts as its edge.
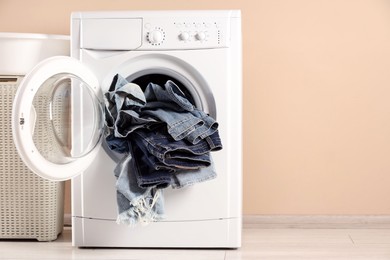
(136, 204)
(123, 103)
(171, 96)
(184, 178)
(143, 202)
(148, 171)
(178, 154)
(183, 120)
(166, 142)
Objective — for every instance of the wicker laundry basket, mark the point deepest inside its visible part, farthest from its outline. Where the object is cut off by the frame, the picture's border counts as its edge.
(30, 207)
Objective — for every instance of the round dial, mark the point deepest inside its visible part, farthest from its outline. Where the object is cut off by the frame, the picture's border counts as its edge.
(201, 36)
(156, 36)
(184, 36)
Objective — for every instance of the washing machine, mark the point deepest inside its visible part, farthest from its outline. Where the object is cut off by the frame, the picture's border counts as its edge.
(201, 52)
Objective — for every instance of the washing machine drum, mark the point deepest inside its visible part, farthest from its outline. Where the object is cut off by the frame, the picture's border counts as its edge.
(161, 79)
(158, 68)
(194, 92)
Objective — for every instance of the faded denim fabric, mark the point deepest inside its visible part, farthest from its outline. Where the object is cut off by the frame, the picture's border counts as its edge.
(178, 154)
(166, 142)
(135, 204)
(171, 97)
(149, 173)
(170, 105)
(123, 103)
(160, 159)
(184, 178)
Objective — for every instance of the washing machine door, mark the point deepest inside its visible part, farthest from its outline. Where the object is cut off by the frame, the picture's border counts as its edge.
(58, 118)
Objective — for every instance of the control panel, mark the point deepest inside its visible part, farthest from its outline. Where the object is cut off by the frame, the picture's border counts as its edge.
(183, 33)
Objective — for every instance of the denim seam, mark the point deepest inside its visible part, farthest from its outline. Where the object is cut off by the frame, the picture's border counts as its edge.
(171, 93)
(182, 121)
(210, 142)
(161, 154)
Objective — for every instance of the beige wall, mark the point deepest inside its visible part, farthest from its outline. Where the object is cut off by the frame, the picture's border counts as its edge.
(316, 96)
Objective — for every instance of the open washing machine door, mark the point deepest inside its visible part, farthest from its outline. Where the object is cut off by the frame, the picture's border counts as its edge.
(58, 118)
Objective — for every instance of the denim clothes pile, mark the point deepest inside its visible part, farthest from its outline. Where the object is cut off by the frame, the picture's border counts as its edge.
(166, 142)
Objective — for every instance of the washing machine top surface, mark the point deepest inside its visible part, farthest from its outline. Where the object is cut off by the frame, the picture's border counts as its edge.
(155, 30)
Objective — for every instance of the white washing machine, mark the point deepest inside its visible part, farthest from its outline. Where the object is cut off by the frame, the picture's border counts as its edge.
(201, 50)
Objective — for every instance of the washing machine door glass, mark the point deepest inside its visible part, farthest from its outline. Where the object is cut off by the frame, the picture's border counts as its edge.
(58, 118)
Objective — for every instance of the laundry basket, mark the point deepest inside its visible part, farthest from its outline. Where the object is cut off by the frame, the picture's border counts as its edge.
(30, 207)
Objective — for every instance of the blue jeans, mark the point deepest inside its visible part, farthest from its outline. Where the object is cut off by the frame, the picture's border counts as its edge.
(127, 109)
(160, 159)
(148, 171)
(166, 141)
(178, 154)
(184, 178)
(139, 187)
(124, 101)
(183, 120)
(136, 204)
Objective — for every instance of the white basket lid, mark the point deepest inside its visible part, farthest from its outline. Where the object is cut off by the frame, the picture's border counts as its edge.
(20, 52)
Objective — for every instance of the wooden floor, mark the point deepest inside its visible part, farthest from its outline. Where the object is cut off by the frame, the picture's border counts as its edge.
(351, 244)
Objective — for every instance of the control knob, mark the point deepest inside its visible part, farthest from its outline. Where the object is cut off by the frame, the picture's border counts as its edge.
(184, 36)
(156, 36)
(201, 36)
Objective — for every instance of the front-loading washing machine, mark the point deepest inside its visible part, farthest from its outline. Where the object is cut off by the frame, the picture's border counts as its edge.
(201, 52)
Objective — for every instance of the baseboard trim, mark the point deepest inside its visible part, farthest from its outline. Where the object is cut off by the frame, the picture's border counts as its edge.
(67, 220)
(316, 221)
